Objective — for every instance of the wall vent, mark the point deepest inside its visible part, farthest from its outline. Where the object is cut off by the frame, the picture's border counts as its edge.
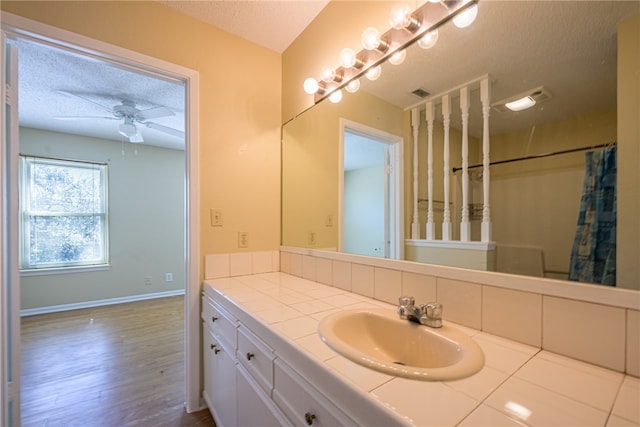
(421, 93)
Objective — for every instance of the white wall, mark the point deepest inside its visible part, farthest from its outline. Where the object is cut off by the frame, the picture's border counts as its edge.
(146, 221)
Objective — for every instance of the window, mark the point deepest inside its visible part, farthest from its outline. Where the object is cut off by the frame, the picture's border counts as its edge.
(63, 214)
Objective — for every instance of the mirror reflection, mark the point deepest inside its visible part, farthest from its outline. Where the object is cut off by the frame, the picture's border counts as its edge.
(566, 53)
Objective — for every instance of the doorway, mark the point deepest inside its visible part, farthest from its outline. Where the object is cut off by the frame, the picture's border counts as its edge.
(19, 28)
(371, 192)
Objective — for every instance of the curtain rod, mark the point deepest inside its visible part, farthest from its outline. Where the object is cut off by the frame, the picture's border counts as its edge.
(538, 156)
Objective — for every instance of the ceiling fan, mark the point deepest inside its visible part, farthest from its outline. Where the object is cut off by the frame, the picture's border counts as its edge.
(130, 116)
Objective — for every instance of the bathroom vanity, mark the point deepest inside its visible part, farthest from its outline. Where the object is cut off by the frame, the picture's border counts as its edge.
(266, 365)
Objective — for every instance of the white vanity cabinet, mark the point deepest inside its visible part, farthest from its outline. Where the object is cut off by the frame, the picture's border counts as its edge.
(302, 403)
(238, 372)
(252, 378)
(219, 343)
(255, 408)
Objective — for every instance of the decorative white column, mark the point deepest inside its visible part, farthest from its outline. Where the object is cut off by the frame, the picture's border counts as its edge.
(485, 97)
(430, 224)
(415, 125)
(465, 227)
(446, 222)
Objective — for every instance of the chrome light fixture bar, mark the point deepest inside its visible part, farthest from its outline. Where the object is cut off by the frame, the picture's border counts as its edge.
(426, 18)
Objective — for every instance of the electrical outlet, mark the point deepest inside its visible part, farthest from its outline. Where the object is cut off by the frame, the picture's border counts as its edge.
(147, 280)
(168, 277)
(216, 217)
(312, 238)
(243, 239)
(328, 221)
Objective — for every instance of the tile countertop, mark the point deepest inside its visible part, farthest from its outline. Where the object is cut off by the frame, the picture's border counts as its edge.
(519, 384)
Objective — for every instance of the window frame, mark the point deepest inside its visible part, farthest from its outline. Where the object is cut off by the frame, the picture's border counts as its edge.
(25, 174)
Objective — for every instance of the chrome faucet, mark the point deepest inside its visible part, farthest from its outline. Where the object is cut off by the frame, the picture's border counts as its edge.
(426, 314)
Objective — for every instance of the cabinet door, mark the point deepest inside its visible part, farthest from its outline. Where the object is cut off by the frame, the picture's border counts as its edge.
(220, 381)
(209, 344)
(255, 409)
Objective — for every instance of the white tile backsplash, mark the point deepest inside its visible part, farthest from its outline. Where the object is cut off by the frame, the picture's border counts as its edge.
(387, 284)
(341, 275)
(216, 266)
(568, 327)
(324, 270)
(461, 302)
(362, 279)
(512, 314)
(633, 342)
(419, 286)
(591, 332)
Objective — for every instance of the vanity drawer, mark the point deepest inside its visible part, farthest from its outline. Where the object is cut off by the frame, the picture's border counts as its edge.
(221, 323)
(302, 403)
(256, 357)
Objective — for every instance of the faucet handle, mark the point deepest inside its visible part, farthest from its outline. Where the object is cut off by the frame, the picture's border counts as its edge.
(431, 314)
(405, 307)
(434, 310)
(406, 301)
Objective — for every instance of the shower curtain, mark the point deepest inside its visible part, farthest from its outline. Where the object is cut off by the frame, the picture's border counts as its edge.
(593, 257)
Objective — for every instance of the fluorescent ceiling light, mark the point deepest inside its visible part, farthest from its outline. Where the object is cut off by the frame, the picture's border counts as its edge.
(521, 104)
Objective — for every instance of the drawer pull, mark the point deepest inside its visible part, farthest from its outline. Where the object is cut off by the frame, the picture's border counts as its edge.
(309, 417)
(214, 318)
(213, 346)
(250, 356)
(216, 350)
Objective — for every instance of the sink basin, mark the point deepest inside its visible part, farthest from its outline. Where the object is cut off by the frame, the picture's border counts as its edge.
(380, 340)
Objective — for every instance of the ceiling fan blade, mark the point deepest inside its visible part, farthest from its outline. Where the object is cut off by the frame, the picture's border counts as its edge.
(84, 118)
(165, 129)
(104, 107)
(154, 113)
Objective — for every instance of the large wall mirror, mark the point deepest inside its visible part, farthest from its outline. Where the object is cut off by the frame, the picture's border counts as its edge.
(569, 49)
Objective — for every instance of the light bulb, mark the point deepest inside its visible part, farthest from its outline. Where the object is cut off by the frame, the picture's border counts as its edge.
(310, 85)
(374, 73)
(466, 18)
(398, 57)
(370, 38)
(353, 86)
(400, 16)
(327, 73)
(521, 104)
(336, 96)
(347, 57)
(429, 39)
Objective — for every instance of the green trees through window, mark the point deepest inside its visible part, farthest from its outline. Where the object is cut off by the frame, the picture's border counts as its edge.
(63, 208)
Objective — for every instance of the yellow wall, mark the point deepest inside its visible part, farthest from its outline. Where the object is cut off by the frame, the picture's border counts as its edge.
(310, 156)
(240, 110)
(628, 238)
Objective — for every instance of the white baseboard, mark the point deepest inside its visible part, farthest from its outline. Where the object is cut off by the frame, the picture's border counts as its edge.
(98, 303)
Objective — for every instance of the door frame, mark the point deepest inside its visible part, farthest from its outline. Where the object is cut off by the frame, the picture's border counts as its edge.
(395, 197)
(16, 26)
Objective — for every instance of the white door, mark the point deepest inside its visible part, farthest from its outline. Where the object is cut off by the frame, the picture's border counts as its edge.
(370, 192)
(10, 280)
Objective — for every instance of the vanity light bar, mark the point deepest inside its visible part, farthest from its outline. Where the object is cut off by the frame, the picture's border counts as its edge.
(430, 16)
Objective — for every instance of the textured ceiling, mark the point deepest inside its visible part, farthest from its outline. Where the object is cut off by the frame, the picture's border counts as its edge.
(66, 92)
(268, 23)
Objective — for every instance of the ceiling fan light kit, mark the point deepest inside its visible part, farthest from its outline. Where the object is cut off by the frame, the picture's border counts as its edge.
(131, 115)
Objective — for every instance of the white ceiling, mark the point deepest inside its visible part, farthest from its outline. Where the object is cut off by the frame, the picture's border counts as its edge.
(268, 23)
(567, 46)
